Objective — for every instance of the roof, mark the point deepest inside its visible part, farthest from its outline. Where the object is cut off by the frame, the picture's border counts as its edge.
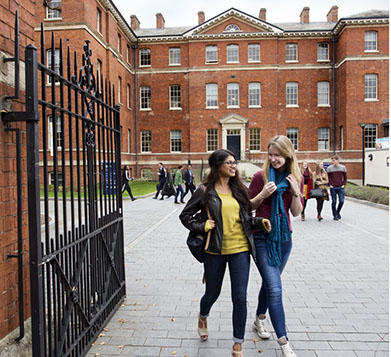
(168, 31)
(369, 14)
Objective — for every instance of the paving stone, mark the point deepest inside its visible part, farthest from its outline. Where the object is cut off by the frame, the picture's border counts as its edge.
(335, 289)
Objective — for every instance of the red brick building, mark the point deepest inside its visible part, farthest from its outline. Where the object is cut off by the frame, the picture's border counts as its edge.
(235, 80)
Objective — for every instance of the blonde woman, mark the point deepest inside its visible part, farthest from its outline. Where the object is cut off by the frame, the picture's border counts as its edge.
(320, 179)
(274, 191)
(307, 177)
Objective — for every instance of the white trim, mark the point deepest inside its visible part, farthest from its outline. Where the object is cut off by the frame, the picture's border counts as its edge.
(371, 99)
(178, 108)
(292, 106)
(323, 105)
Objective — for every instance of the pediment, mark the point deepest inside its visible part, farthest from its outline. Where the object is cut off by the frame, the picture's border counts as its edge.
(233, 22)
(233, 119)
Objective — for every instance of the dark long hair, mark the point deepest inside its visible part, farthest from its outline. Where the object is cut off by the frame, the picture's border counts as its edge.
(239, 190)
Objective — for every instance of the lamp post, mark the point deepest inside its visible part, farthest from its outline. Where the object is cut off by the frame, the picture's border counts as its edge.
(363, 152)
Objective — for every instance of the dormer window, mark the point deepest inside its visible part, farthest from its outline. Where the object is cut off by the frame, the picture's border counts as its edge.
(232, 28)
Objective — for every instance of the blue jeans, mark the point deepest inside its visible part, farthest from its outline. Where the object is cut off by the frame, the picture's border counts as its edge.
(179, 189)
(270, 294)
(239, 268)
(334, 191)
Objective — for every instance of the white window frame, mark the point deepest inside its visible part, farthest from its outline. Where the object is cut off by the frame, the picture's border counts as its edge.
(292, 95)
(254, 53)
(175, 97)
(255, 139)
(233, 53)
(144, 54)
(254, 95)
(323, 139)
(323, 94)
(211, 54)
(291, 53)
(56, 64)
(119, 89)
(370, 136)
(233, 95)
(128, 96)
(58, 133)
(119, 43)
(146, 141)
(53, 14)
(212, 140)
(127, 53)
(323, 52)
(129, 140)
(371, 81)
(174, 56)
(99, 68)
(144, 99)
(370, 41)
(212, 95)
(293, 132)
(99, 20)
(175, 140)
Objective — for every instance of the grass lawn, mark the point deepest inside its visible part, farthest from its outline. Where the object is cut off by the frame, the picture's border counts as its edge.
(139, 188)
(368, 193)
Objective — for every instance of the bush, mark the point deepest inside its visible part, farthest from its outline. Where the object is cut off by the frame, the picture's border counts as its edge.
(368, 193)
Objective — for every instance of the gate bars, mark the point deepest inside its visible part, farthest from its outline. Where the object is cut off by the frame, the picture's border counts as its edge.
(77, 258)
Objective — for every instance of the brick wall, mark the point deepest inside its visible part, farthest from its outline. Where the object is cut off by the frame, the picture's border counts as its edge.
(8, 211)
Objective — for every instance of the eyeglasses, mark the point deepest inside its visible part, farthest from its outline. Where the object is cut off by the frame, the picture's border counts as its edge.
(231, 163)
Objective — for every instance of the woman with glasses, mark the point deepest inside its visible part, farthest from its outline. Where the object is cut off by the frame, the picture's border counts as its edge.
(224, 198)
(274, 191)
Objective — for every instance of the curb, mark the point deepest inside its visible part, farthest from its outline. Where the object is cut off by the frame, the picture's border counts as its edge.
(368, 203)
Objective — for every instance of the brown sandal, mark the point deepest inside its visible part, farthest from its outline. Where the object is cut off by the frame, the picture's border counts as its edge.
(202, 331)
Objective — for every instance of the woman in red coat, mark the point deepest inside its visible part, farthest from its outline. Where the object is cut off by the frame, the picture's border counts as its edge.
(307, 178)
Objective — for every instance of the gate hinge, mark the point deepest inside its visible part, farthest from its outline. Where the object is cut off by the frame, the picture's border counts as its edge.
(9, 117)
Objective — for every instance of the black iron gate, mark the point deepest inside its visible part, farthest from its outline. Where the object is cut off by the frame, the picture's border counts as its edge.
(74, 201)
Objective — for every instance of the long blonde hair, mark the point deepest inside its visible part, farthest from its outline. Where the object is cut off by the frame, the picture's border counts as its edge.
(285, 148)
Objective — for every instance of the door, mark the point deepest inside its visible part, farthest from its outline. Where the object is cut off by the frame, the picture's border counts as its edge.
(233, 144)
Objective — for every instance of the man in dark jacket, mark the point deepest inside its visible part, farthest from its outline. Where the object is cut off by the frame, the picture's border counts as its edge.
(189, 181)
(162, 179)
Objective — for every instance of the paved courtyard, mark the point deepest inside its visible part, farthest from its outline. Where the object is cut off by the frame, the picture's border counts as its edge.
(335, 288)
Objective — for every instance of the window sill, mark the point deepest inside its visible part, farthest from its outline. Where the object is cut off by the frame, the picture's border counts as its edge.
(292, 61)
(323, 60)
(233, 106)
(255, 106)
(146, 66)
(254, 61)
(323, 105)
(211, 107)
(176, 109)
(371, 51)
(292, 106)
(214, 62)
(145, 109)
(234, 62)
(174, 64)
(255, 151)
(145, 152)
(371, 100)
(53, 19)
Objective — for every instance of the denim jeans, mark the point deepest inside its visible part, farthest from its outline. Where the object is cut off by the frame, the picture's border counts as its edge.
(270, 294)
(340, 192)
(239, 267)
(179, 189)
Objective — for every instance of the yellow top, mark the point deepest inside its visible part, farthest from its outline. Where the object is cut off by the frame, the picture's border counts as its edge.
(234, 239)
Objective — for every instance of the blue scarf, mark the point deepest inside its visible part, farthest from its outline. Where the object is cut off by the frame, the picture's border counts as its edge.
(279, 220)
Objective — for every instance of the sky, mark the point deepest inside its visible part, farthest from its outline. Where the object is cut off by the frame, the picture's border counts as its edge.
(185, 13)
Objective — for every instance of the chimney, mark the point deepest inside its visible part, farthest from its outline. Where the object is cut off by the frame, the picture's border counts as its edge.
(262, 14)
(201, 17)
(134, 22)
(159, 21)
(332, 15)
(305, 15)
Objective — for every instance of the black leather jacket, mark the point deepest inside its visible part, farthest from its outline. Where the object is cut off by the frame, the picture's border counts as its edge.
(194, 216)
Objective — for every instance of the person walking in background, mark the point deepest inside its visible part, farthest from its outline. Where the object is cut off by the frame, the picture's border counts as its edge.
(320, 179)
(168, 187)
(162, 179)
(307, 176)
(189, 181)
(178, 181)
(224, 204)
(274, 191)
(125, 182)
(337, 181)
